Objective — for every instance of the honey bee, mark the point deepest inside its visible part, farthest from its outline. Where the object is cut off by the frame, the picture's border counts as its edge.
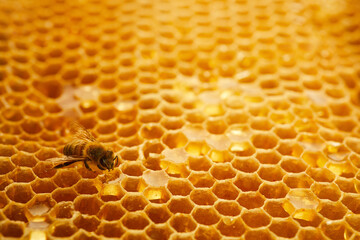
(84, 147)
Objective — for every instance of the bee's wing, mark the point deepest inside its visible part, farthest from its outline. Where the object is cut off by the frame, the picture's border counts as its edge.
(80, 132)
(65, 161)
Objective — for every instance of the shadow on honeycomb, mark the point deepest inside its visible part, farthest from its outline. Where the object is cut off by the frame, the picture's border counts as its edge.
(232, 119)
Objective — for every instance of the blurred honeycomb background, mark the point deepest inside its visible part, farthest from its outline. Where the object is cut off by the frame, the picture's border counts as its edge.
(233, 119)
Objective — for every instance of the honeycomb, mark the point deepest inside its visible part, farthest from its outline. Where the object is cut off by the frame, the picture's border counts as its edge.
(232, 118)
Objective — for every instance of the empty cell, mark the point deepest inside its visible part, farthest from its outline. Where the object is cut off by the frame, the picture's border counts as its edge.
(66, 177)
(6, 165)
(174, 139)
(274, 190)
(158, 232)
(231, 227)
(225, 190)
(216, 126)
(207, 232)
(15, 212)
(111, 192)
(293, 165)
(201, 180)
(203, 197)
(172, 123)
(132, 168)
(335, 230)
(251, 200)
(255, 218)
(199, 163)
(179, 187)
(62, 229)
(88, 223)
(222, 171)
(157, 213)
(111, 212)
(134, 203)
(87, 204)
(11, 229)
(110, 229)
(282, 228)
(183, 223)
(180, 205)
(352, 202)
(321, 174)
(332, 210)
(310, 234)
(289, 148)
(19, 192)
(264, 141)
(64, 194)
(205, 215)
(276, 208)
(285, 132)
(87, 186)
(300, 180)
(270, 173)
(151, 131)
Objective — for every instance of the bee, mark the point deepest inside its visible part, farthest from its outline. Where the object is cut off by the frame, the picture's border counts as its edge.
(84, 147)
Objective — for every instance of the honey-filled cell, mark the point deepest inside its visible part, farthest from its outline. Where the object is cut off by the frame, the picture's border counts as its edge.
(223, 119)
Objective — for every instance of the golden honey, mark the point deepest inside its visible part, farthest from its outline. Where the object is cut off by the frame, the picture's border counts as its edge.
(231, 119)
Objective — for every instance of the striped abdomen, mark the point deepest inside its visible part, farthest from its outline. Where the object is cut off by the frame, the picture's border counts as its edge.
(74, 148)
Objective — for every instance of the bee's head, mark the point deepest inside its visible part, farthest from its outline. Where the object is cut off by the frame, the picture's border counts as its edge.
(107, 161)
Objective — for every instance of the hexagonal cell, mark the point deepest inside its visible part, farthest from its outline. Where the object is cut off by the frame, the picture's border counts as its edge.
(62, 229)
(157, 213)
(151, 131)
(5, 165)
(231, 227)
(174, 139)
(268, 156)
(251, 200)
(300, 180)
(132, 168)
(242, 149)
(248, 182)
(222, 171)
(64, 194)
(263, 234)
(180, 205)
(225, 190)
(135, 220)
(284, 228)
(271, 173)
(228, 208)
(29, 147)
(11, 229)
(326, 191)
(179, 187)
(335, 230)
(134, 202)
(207, 232)
(340, 109)
(290, 148)
(261, 123)
(205, 215)
(199, 163)
(182, 223)
(62, 210)
(87, 186)
(157, 194)
(15, 212)
(133, 184)
(310, 234)
(293, 165)
(88, 223)
(22, 159)
(332, 211)
(40, 205)
(195, 116)
(247, 165)
(256, 218)
(321, 174)
(22, 174)
(159, 232)
(6, 150)
(172, 123)
(202, 197)
(274, 190)
(264, 141)
(282, 118)
(197, 148)
(87, 204)
(352, 202)
(66, 177)
(19, 192)
(44, 169)
(216, 125)
(275, 208)
(110, 230)
(353, 220)
(111, 212)
(314, 159)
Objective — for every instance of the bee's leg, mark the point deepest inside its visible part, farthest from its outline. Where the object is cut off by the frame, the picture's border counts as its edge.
(87, 165)
(100, 167)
